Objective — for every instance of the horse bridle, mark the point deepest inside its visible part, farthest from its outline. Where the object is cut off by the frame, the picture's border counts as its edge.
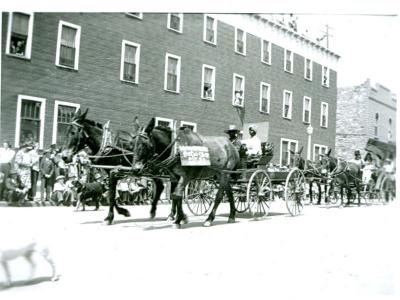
(81, 129)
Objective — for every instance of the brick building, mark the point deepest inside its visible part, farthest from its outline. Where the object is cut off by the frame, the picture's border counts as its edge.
(207, 71)
(364, 111)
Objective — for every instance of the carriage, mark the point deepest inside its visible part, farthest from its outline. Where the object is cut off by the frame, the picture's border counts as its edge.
(254, 189)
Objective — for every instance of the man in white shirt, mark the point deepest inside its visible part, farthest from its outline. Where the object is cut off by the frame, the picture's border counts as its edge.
(6, 157)
(253, 144)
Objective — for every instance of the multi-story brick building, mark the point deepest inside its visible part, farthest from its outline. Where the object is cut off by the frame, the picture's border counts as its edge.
(207, 71)
(363, 112)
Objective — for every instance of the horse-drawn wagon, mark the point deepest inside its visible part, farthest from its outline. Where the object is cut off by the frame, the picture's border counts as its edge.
(254, 189)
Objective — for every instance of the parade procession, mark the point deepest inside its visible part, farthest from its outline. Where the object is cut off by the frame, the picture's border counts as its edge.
(199, 123)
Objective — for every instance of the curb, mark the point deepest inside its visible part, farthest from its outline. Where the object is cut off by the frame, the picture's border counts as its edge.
(34, 203)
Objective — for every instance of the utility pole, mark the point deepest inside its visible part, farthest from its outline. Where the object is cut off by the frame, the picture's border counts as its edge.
(326, 35)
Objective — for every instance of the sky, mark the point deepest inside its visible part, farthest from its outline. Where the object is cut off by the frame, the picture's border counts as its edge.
(368, 46)
(365, 33)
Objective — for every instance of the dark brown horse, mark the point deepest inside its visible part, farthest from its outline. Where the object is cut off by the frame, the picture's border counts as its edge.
(312, 173)
(344, 175)
(83, 131)
(224, 157)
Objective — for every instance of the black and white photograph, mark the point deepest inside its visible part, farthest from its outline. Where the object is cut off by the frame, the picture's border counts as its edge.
(171, 150)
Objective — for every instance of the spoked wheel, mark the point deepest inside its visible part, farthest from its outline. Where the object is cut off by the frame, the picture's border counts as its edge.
(259, 194)
(199, 195)
(295, 191)
(240, 197)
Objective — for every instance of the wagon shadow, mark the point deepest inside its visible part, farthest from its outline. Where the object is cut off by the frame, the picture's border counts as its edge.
(22, 283)
(195, 224)
(248, 216)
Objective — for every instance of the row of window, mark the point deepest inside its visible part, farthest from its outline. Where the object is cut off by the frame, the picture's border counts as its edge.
(289, 147)
(19, 41)
(31, 117)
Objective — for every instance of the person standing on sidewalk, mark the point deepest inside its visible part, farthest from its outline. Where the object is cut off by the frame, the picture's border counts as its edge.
(23, 165)
(35, 168)
(46, 175)
(6, 159)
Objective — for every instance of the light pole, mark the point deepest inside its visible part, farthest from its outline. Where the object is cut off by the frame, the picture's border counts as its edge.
(310, 130)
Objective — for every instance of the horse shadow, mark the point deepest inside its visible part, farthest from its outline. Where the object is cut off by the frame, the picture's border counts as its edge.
(22, 283)
(116, 222)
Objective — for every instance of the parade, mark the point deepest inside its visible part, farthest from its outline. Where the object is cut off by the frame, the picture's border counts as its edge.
(197, 154)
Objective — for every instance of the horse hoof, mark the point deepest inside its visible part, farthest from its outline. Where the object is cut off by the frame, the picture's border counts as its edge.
(152, 215)
(108, 222)
(184, 221)
(170, 218)
(207, 224)
(231, 220)
(176, 226)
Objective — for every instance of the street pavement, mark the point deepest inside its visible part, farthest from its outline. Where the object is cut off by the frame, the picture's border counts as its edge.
(325, 253)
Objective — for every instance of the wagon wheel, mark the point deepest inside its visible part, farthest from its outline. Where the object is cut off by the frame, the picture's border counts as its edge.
(295, 191)
(240, 197)
(199, 195)
(259, 194)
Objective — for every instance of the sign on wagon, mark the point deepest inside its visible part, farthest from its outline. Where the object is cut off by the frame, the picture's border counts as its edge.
(194, 156)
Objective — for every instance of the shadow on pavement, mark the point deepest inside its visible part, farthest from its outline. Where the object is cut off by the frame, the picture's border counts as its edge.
(22, 283)
(126, 221)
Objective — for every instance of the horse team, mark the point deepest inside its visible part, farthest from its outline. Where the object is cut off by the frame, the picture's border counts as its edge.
(147, 150)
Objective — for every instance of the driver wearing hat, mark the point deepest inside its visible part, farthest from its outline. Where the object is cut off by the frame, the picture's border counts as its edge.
(233, 133)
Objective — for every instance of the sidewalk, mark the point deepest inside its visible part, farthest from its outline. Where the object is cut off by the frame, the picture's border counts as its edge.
(34, 203)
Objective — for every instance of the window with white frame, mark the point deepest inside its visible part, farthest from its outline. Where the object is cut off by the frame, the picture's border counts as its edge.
(68, 42)
(30, 120)
(175, 22)
(325, 76)
(307, 110)
(130, 57)
(135, 15)
(266, 52)
(324, 114)
(265, 95)
(165, 122)
(210, 30)
(191, 125)
(240, 41)
(208, 82)
(172, 73)
(287, 104)
(19, 34)
(318, 151)
(287, 147)
(63, 114)
(238, 90)
(288, 61)
(308, 66)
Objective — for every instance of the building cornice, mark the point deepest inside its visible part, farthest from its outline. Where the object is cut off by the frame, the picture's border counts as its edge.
(279, 35)
(382, 103)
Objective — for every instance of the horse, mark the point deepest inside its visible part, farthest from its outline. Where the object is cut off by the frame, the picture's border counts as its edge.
(83, 131)
(224, 157)
(343, 174)
(312, 172)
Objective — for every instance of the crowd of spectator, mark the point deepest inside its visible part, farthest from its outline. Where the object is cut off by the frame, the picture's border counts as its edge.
(21, 171)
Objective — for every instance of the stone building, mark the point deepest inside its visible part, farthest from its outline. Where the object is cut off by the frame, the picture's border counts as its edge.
(363, 112)
(204, 71)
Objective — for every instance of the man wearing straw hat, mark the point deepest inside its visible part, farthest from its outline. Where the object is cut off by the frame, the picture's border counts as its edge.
(233, 133)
